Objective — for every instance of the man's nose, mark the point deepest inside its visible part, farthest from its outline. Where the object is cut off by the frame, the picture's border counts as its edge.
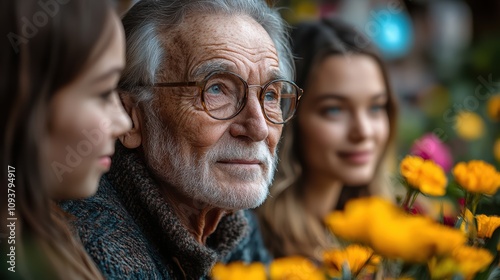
(251, 122)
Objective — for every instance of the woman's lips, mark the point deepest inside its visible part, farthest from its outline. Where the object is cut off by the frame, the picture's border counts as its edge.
(357, 158)
(105, 161)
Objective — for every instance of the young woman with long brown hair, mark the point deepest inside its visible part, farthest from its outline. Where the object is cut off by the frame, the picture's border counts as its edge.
(60, 63)
(337, 146)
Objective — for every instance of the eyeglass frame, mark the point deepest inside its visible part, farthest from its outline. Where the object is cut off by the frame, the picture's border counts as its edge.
(201, 86)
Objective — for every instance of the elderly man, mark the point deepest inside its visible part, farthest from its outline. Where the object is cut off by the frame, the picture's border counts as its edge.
(207, 88)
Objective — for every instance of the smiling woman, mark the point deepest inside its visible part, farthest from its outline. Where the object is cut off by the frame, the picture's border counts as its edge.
(60, 64)
(337, 146)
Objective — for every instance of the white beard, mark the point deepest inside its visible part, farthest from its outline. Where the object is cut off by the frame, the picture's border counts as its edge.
(198, 178)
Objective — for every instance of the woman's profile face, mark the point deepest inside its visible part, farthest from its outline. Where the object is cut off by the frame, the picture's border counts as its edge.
(343, 120)
(86, 118)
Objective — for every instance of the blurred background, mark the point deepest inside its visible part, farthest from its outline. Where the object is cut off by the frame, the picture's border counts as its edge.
(444, 62)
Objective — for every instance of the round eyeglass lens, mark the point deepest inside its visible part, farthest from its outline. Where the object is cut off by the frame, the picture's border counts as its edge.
(223, 95)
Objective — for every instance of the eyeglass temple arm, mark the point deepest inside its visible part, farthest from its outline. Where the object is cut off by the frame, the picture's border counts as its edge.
(179, 84)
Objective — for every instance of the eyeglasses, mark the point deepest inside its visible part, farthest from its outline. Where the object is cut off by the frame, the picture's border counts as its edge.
(224, 95)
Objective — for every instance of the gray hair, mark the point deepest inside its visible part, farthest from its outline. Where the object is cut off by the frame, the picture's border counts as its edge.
(145, 51)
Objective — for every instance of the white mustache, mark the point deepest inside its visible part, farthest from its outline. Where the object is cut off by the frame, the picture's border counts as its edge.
(255, 151)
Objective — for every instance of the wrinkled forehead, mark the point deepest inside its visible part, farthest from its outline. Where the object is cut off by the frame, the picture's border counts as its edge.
(204, 43)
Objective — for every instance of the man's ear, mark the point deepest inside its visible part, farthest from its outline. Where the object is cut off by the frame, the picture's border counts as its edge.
(133, 138)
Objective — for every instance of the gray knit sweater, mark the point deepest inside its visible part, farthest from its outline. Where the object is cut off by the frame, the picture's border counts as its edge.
(132, 233)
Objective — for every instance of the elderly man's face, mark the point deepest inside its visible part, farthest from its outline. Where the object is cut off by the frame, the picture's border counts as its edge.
(226, 163)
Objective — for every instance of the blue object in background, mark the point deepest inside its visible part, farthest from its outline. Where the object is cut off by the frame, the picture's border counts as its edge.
(391, 31)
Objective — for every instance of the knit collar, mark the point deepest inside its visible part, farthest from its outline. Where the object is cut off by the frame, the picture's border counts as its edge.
(141, 195)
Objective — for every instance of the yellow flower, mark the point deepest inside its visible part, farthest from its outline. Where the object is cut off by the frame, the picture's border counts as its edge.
(465, 260)
(471, 260)
(469, 126)
(351, 223)
(355, 256)
(477, 176)
(486, 225)
(442, 268)
(238, 270)
(467, 226)
(424, 175)
(373, 264)
(494, 107)
(396, 239)
(391, 233)
(414, 239)
(446, 238)
(295, 267)
(496, 150)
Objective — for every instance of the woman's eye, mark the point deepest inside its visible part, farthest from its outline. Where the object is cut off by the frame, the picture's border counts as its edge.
(377, 108)
(215, 89)
(106, 96)
(332, 111)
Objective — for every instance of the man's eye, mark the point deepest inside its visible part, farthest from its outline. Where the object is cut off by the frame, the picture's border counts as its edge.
(271, 96)
(215, 89)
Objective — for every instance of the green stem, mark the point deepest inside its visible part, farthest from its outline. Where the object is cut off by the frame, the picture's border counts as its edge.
(415, 194)
(408, 197)
(475, 201)
(363, 266)
(466, 205)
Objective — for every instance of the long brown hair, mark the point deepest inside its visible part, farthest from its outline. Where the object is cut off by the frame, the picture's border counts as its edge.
(288, 227)
(44, 47)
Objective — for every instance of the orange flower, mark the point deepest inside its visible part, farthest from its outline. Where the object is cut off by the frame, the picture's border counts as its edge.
(238, 270)
(414, 239)
(471, 260)
(469, 125)
(442, 268)
(477, 176)
(424, 175)
(486, 225)
(467, 226)
(295, 267)
(464, 260)
(496, 150)
(494, 108)
(391, 233)
(352, 222)
(355, 256)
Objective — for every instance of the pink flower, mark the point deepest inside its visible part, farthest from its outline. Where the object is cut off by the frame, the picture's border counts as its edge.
(430, 147)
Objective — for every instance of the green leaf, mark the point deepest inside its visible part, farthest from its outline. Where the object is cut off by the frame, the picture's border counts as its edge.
(459, 222)
(487, 273)
(392, 268)
(458, 277)
(495, 274)
(454, 190)
(492, 243)
(418, 271)
(441, 213)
